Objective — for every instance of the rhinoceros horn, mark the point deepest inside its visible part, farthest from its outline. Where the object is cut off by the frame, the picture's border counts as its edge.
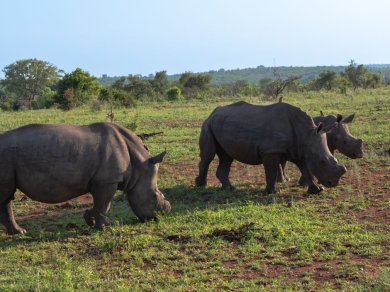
(158, 158)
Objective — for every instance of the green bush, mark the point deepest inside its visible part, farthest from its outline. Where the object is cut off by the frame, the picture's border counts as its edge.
(45, 99)
(174, 94)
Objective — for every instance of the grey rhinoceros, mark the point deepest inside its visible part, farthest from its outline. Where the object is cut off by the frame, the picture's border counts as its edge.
(338, 138)
(267, 135)
(55, 163)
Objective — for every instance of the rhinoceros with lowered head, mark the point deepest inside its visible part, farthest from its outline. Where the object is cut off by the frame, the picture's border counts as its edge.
(338, 138)
(267, 135)
(56, 163)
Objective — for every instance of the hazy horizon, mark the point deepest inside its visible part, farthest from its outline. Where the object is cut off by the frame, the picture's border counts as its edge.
(127, 37)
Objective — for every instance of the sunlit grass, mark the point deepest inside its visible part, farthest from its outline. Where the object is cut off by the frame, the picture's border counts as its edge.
(292, 238)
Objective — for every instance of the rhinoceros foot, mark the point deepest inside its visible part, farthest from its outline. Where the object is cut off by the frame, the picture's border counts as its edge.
(314, 189)
(228, 187)
(271, 190)
(89, 218)
(199, 182)
(302, 181)
(16, 230)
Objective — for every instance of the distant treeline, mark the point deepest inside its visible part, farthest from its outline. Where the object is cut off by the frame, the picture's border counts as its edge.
(253, 75)
(36, 84)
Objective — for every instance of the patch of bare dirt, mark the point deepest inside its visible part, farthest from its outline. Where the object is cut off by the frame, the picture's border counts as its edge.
(232, 235)
(75, 205)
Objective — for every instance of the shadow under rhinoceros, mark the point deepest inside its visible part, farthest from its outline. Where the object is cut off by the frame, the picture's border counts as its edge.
(63, 221)
(185, 198)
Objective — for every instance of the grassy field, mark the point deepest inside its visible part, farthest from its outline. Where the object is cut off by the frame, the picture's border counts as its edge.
(215, 239)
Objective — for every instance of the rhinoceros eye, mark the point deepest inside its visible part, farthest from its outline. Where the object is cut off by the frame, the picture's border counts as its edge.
(345, 141)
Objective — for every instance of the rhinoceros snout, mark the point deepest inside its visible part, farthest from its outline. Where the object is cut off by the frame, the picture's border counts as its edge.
(334, 181)
(359, 152)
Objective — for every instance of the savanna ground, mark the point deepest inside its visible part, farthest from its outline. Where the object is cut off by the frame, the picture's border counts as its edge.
(215, 239)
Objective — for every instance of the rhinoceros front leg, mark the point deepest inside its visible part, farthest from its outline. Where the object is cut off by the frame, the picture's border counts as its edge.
(308, 179)
(207, 149)
(8, 220)
(102, 195)
(271, 166)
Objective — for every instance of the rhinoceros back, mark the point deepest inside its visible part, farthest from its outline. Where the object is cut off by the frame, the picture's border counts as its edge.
(246, 132)
(53, 163)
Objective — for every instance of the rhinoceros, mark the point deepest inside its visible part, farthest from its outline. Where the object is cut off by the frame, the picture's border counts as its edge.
(267, 135)
(55, 163)
(338, 138)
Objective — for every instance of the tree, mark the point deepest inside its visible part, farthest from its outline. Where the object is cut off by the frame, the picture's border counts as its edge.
(275, 87)
(139, 88)
(160, 82)
(373, 80)
(117, 96)
(327, 79)
(195, 81)
(119, 84)
(26, 79)
(76, 88)
(355, 74)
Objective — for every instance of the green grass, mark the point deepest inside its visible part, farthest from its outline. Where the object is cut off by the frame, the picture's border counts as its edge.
(215, 239)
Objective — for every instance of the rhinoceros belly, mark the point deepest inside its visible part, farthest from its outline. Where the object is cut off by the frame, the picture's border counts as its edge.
(248, 142)
(53, 176)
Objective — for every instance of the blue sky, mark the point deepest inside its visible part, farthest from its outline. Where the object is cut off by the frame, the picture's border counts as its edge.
(120, 37)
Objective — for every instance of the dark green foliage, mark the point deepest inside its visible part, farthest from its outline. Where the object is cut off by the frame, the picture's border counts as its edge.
(355, 74)
(360, 76)
(26, 79)
(326, 80)
(67, 100)
(123, 98)
(174, 94)
(160, 82)
(373, 80)
(119, 83)
(117, 96)
(141, 89)
(45, 99)
(76, 88)
(105, 95)
(194, 85)
(195, 81)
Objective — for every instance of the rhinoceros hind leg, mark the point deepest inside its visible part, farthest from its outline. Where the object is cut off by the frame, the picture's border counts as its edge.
(223, 170)
(8, 220)
(102, 195)
(207, 153)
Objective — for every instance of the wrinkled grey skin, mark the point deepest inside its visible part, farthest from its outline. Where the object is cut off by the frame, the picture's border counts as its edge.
(55, 163)
(338, 138)
(265, 135)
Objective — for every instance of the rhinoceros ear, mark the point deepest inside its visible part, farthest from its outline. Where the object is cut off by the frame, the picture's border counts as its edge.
(339, 118)
(321, 114)
(319, 128)
(325, 129)
(158, 158)
(348, 119)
